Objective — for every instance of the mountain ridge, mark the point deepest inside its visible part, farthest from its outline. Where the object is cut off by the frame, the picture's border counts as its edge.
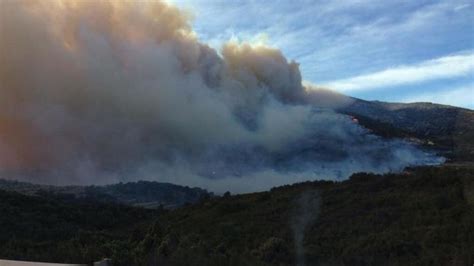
(447, 128)
(149, 194)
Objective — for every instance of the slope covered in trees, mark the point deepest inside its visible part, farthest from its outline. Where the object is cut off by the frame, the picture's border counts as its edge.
(147, 194)
(423, 216)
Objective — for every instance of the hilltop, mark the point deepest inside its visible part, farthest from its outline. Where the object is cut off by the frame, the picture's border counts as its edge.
(446, 128)
(147, 194)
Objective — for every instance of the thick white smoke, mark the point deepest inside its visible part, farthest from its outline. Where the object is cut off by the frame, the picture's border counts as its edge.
(106, 91)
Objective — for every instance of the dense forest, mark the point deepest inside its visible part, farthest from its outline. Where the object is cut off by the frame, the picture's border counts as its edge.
(423, 216)
(61, 228)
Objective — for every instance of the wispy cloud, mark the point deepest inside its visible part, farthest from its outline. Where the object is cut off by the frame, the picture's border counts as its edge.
(451, 66)
(365, 45)
(340, 38)
(460, 96)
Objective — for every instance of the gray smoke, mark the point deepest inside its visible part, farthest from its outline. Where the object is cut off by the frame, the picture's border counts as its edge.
(94, 92)
(306, 211)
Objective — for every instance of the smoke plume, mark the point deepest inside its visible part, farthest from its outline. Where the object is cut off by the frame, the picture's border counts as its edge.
(306, 211)
(106, 91)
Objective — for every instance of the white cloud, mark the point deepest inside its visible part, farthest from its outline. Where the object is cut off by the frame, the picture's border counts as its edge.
(352, 46)
(451, 66)
(461, 96)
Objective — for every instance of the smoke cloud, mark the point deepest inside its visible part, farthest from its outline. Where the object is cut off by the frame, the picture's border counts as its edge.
(305, 212)
(94, 92)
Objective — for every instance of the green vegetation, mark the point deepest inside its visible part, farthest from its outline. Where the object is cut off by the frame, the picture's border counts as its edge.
(60, 228)
(424, 216)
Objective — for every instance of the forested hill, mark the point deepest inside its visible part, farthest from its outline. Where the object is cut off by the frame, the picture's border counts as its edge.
(424, 216)
(52, 228)
(446, 128)
(142, 193)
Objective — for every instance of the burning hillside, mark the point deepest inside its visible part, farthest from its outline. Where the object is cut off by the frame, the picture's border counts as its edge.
(94, 92)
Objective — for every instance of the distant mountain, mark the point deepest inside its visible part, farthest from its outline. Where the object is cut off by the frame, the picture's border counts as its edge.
(448, 128)
(142, 193)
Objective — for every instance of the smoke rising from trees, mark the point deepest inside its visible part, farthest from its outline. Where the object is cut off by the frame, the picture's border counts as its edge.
(106, 91)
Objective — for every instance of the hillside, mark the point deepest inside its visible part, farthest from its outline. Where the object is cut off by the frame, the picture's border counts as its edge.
(53, 228)
(142, 193)
(424, 216)
(446, 128)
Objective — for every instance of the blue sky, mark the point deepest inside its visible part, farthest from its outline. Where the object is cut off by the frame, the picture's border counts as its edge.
(387, 50)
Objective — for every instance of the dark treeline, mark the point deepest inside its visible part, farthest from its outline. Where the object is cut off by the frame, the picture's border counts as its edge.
(424, 216)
